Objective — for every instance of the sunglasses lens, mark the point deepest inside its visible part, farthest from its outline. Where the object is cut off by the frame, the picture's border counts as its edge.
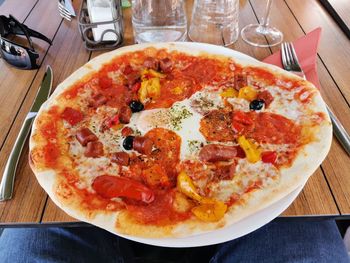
(15, 55)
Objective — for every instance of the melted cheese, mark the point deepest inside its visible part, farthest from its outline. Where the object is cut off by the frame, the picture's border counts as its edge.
(239, 104)
(90, 168)
(246, 173)
(285, 104)
(180, 118)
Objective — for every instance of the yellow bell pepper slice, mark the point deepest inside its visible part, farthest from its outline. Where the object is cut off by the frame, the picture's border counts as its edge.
(143, 91)
(186, 186)
(149, 89)
(247, 93)
(210, 210)
(153, 89)
(229, 93)
(150, 73)
(251, 150)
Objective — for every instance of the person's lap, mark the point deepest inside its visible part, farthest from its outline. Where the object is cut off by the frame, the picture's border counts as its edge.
(297, 241)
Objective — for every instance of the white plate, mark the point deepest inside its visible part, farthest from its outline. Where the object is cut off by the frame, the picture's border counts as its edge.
(241, 228)
(236, 230)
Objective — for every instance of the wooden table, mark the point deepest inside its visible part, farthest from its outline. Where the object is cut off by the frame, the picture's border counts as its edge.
(327, 192)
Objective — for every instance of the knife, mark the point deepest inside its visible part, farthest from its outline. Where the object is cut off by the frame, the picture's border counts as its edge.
(338, 129)
(7, 182)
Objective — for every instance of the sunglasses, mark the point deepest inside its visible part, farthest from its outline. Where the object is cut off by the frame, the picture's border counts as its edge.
(15, 54)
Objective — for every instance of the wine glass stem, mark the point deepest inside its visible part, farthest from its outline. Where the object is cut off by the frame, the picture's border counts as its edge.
(265, 21)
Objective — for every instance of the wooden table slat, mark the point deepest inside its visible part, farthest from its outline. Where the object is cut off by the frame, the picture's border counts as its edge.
(334, 45)
(29, 201)
(11, 8)
(58, 57)
(15, 82)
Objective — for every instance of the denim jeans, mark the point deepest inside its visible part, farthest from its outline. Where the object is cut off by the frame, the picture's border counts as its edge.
(295, 241)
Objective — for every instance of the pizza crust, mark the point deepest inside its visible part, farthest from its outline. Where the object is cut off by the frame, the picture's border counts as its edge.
(305, 164)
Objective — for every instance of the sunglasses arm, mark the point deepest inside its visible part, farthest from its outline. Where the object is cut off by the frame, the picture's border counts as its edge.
(32, 33)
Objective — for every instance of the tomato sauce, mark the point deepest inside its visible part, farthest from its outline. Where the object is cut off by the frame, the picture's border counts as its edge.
(174, 90)
(73, 91)
(48, 130)
(304, 95)
(51, 154)
(262, 74)
(273, 128)
(253, 186)
(233, 200)
(115, 95)
(85, 200)
(159, 212)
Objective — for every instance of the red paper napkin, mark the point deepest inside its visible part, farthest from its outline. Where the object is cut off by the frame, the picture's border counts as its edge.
(306, 49)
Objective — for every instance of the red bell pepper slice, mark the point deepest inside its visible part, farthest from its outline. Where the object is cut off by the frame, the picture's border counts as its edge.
(109, 187)
(72, 116)
(269, 157)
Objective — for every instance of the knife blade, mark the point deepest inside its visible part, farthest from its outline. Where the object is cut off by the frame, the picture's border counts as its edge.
(7, 182)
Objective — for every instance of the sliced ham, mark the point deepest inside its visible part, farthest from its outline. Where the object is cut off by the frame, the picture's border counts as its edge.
(225, 172)
(266, 97)
(128, 69)
(143, 145)
(166, 65)
(151, 63)
(125, 114)
(217, 152)
(132, 78)
(240, 81)
(94, 149)
(84, 135)
(126, 131)
(72, 116)
(131, 75)
(97, 100)
(121, 158)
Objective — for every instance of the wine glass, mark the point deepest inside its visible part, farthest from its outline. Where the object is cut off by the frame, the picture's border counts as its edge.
(262, 35)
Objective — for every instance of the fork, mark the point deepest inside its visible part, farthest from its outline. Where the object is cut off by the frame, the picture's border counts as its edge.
(290, 63)
(65, 9)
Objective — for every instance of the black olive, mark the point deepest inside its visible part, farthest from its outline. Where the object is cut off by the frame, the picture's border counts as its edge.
(256, 104)
(128, 142)
(136, 106)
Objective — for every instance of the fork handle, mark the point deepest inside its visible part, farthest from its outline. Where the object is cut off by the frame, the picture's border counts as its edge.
(339, 131)
(8, 178)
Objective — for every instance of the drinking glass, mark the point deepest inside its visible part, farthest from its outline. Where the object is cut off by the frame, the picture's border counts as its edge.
(262, 35)
(159, 21)
(215, 22)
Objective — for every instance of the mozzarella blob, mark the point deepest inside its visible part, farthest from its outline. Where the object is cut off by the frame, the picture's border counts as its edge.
(180, 118)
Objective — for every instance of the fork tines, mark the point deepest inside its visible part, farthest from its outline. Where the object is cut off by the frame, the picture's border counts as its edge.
(289, 58)
(64, 12)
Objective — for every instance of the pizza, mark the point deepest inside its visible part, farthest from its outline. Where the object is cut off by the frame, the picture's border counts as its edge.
(173, 140)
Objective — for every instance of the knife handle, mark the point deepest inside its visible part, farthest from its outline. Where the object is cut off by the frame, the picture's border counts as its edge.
(8, 178)
(339, 131)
